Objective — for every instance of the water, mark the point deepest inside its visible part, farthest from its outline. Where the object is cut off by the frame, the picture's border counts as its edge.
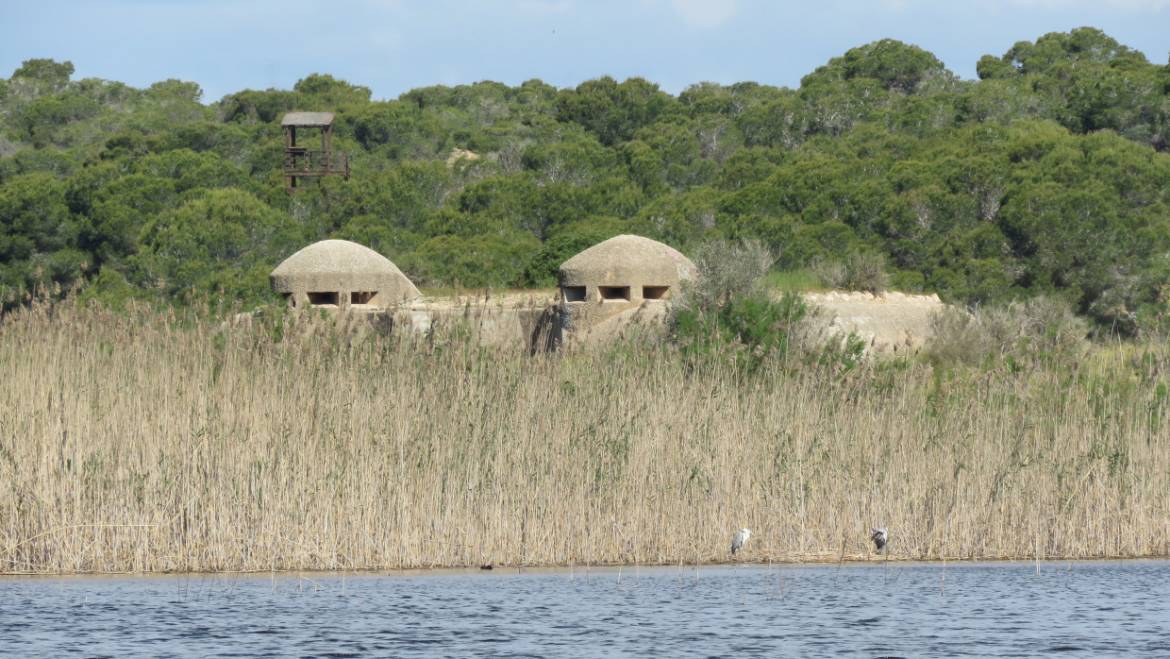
(1072, 609)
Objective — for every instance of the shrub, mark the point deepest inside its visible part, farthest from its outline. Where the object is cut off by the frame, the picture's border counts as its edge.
(1039, 329)
(866, 271)
(726, 313)
(726, 270)
(542, 268)
(860, 271)
(747, 329)
(830, 272)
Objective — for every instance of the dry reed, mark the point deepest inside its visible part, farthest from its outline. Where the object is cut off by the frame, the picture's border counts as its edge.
(146, 442)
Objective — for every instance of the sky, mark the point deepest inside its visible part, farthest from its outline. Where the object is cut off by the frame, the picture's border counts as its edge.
(392, 46)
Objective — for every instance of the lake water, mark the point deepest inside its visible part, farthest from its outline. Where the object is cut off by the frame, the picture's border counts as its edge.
(1089, 609)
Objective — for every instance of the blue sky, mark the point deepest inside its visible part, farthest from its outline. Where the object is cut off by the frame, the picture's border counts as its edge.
(395, 45)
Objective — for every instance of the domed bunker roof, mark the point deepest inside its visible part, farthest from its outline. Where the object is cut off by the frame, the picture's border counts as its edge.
(627, 260)
(340, 265)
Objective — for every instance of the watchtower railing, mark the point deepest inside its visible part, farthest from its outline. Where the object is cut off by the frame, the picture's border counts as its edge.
(315, 162)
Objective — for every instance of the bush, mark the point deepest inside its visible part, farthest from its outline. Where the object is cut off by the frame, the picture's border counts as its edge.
(1039, 329)
(747, 329)
(866, 271)
(726, 270)
(727, 313)
(830, 272)
(861, 271)
(476, 262)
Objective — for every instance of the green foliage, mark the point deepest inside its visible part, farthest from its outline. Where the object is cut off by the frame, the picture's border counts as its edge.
(1048, 176)
(473, 262)
(748, 330)
(568, 241)
(222, 241)
(727, 313)
(42, 76)
(892, 64)
(611, 110)
(39, 237)
(111, 289)
(796, 281)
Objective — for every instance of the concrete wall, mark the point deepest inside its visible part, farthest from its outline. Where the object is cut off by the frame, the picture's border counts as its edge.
(891, 322)
(888, 323)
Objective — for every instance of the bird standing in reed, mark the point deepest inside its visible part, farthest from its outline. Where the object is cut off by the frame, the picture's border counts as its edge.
(740, 538)
(880, 537)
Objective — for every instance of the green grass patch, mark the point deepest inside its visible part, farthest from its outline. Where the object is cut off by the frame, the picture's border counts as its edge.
(795, 281)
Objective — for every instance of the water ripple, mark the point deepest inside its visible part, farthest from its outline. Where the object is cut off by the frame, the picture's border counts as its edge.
(1081, 609)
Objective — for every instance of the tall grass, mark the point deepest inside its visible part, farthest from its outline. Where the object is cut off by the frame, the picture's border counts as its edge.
(147, 442)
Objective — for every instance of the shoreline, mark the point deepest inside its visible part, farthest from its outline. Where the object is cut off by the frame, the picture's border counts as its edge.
(575, 569)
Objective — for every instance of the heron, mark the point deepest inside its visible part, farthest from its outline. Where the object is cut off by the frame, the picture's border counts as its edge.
(880, 537)
(740, 538)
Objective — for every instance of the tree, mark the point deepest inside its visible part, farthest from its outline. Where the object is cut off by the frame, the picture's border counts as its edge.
(894, 65)
(37, 77)
(221, 243)
(474, 262)
(1046, 175)
(613, 111)
(38, 234)
(568, 241)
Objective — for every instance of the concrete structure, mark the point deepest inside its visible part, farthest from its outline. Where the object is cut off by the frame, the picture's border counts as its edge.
(339, 274)
(623, 284)
(620, 282)
(892, 322)
(624, 269)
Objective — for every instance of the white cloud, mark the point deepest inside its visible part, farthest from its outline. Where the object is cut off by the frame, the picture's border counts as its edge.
(704, 13)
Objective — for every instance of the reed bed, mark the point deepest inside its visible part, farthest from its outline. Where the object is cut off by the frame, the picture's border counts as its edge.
(144, 442)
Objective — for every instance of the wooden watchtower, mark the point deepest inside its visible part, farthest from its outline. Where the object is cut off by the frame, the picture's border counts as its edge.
(302, 162)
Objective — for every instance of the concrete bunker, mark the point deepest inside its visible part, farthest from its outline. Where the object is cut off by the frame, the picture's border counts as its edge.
(613, 280)
(624, 269)
(338, 274)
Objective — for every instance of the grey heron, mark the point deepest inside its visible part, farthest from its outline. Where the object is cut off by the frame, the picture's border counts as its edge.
(880, 537)
(740, 538)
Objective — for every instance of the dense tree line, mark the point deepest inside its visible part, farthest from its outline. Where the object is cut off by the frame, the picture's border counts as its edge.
(1048, 175)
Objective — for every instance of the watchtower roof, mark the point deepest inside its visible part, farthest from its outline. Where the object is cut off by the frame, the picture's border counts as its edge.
(310, 119)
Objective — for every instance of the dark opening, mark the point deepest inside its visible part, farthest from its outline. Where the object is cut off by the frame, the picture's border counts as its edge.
(288, 297)
(654, 292)
(362, 297)
(615, 292)
(323, 298)
(573, 293)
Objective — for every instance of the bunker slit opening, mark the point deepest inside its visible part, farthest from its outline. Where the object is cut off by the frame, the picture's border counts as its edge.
(614, 293)
(363, 297)
(655, 292)
(573, 293)
(323, 298)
